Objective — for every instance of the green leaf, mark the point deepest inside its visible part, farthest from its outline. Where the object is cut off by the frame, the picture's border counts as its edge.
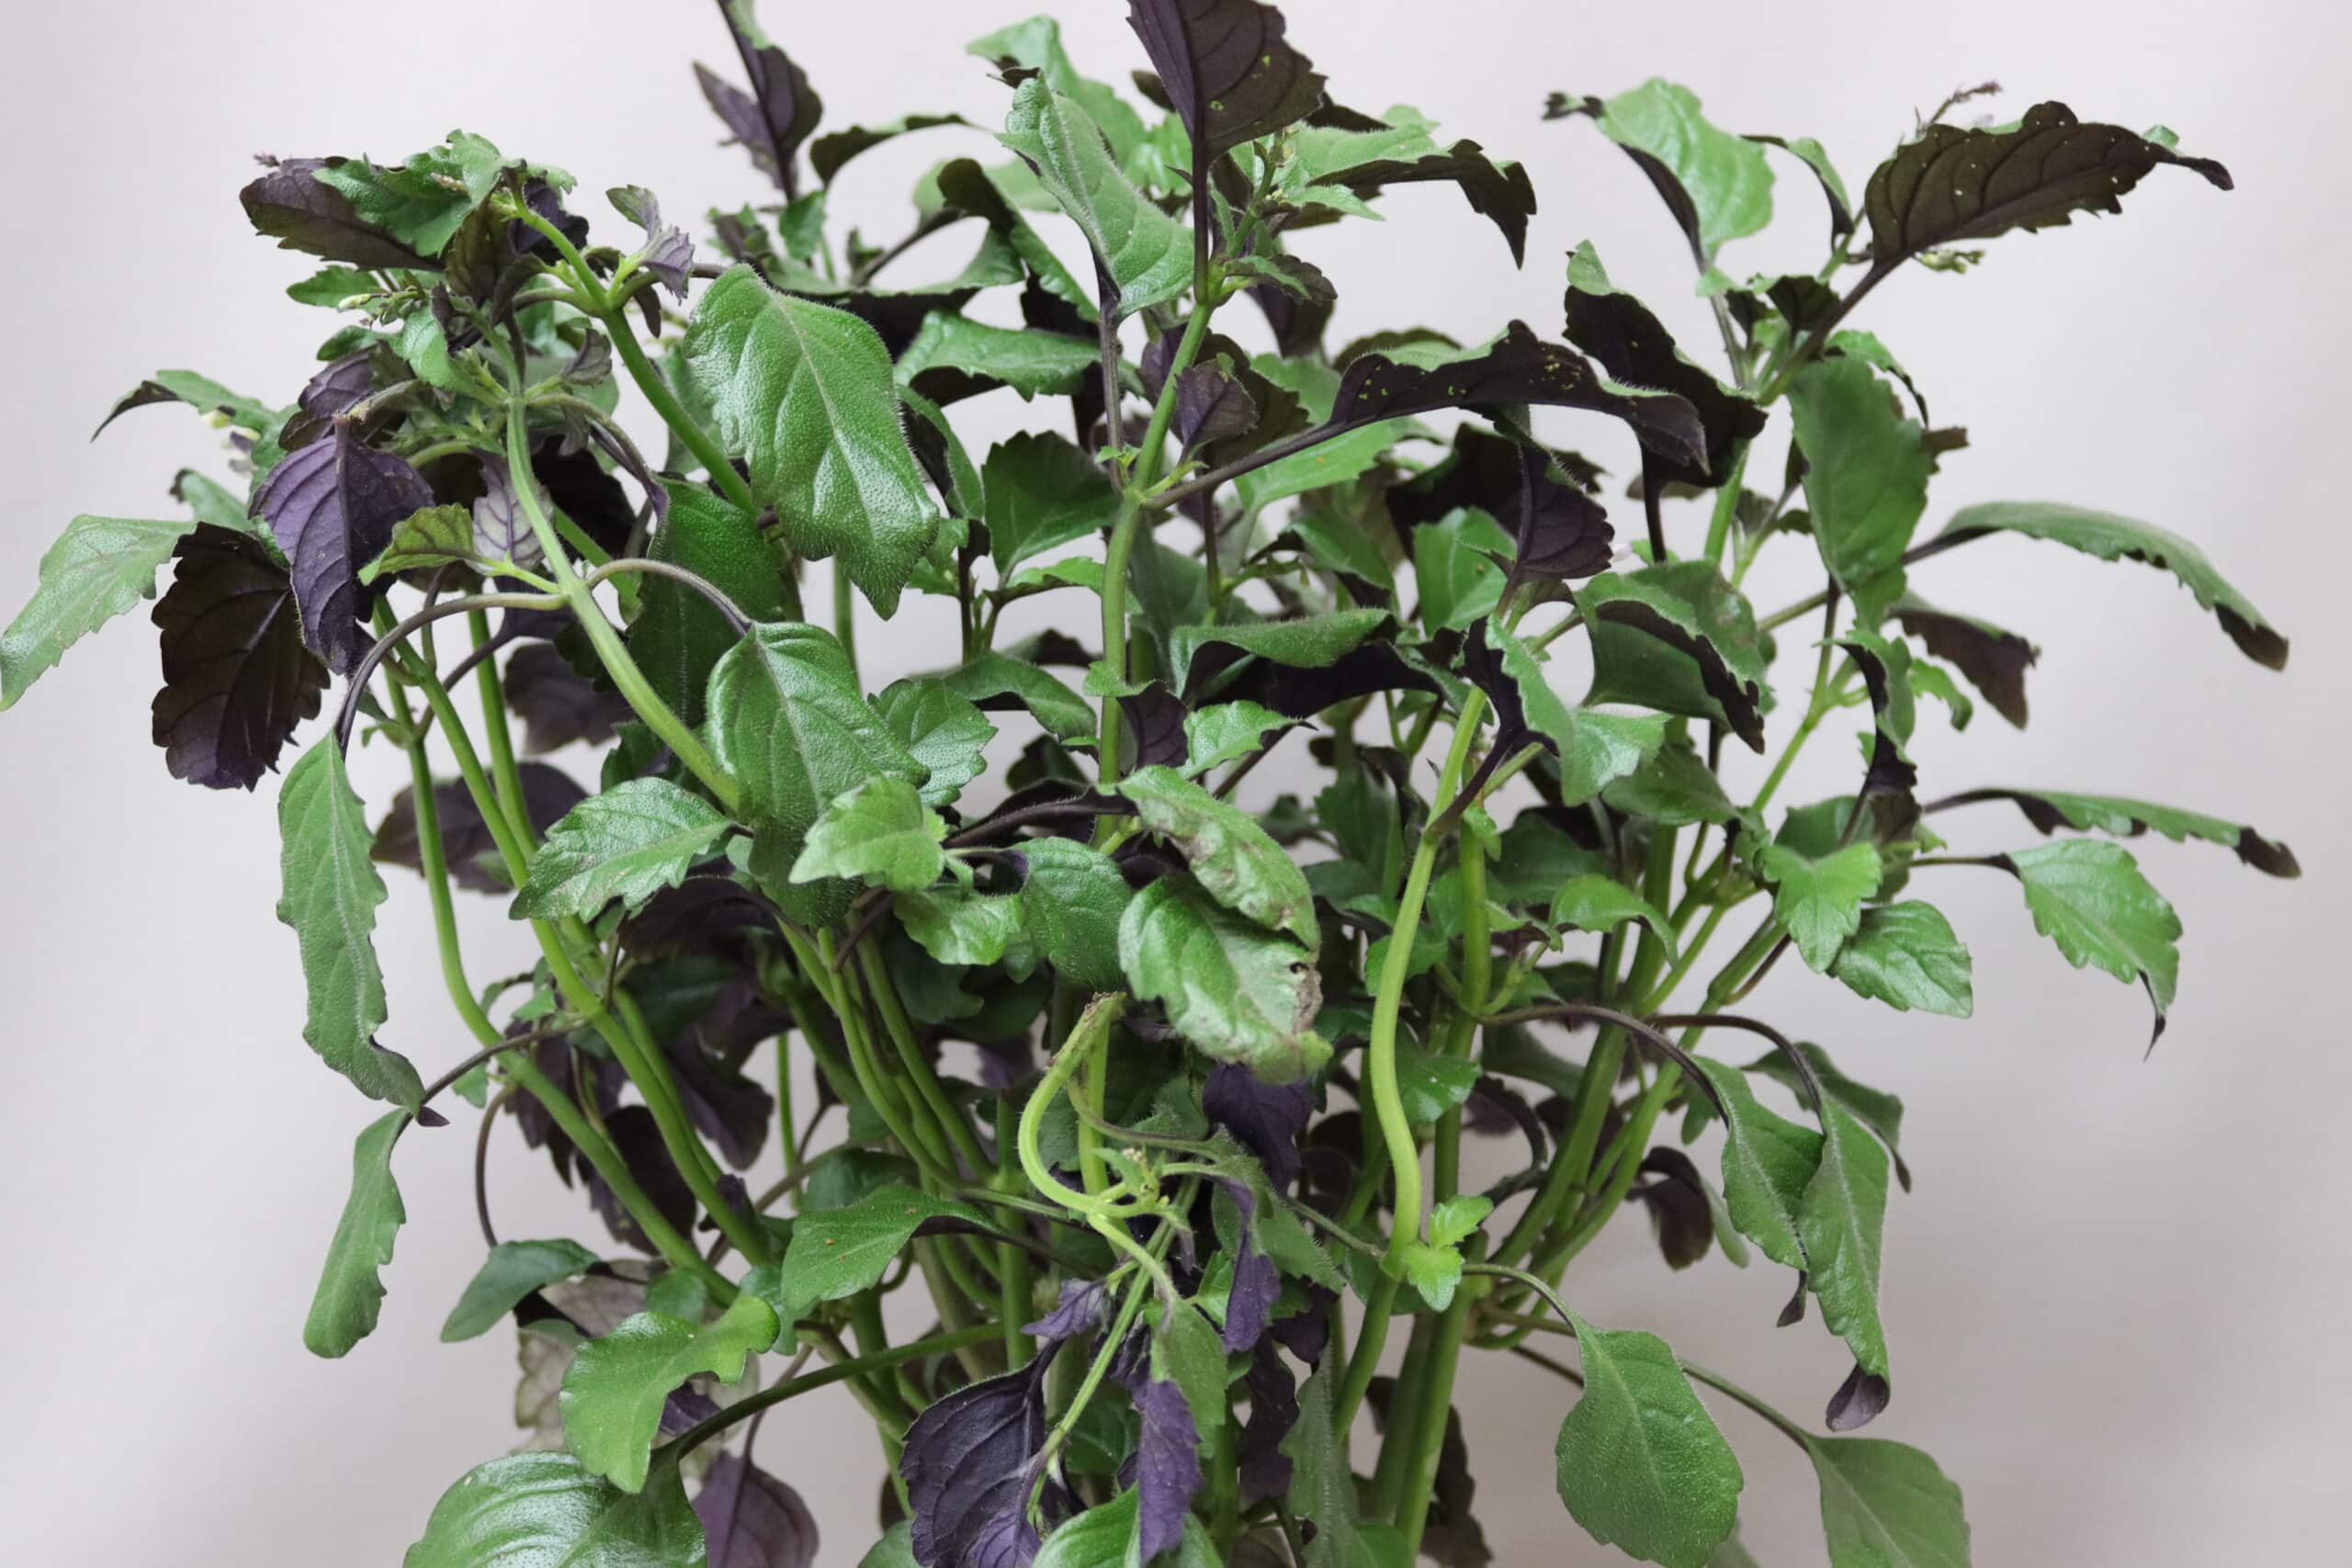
(436, 536)
(940, 730)
(423, 202)
(1313, 642)
(1866, 479)
(614, 1391)
(1887, 1506)
(882, 833)
(2091, 900)
(1106, 1538)
(1642, 1466)
(1145, 253)
(1454, 568)
(546, 1510)
(955, 924)
(1678, 638)
(1453, 1219)
(512, 1271)
(1768, 1163)
(97, 569)
(1593, 903)
(1906, 956)
(627, 844)
(1065, 714)
(836, 1253)
(1037, 44)
(1434, 1271)
(1073, 902)
(330, 899)
(1842, 1219)
(1594, 749)
(1819, 902)
(331, 285)
(1238, 993)
(803, 394)
(351, 1289)
(1227, 732)
(1189, 1353)
(1725, 176)
(2109, 538)
(1232, 857)
(678, 635)
(1043, 493)
(949, 349)
(1323, 1490)
(2050, 809)
(1674, 789)
(788, 723)
(895, 1550)
(1874, 1108)
(1429, 1083)
(1344, 457)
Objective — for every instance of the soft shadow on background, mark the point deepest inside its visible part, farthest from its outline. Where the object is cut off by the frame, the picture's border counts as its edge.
(2112, 1297)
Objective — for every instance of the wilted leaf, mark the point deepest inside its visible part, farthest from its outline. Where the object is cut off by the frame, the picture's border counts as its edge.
(1237, 992)
(351, 1290)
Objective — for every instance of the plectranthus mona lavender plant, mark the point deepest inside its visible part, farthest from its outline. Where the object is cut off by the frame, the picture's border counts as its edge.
(1150, 1106)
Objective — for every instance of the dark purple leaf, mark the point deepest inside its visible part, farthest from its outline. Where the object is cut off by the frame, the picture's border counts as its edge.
(750, 1520)
(1947, 185)
(1993, 661)
(1518, 367)
(237, 679)
(1211, 406)
(1265, 1118)
(547, 203)
(1635, 348)
(1079, 1310)
(471, 852)
(1154, 727)
(1680, 1215)
(1297, 323)
(637, 1138)
(776, 116)
(1168, 1466)
(1250, 1302)
(332, 506)
(556, 1060)
(340, 386)
(1500, 193)
(557, 703)
(1230, 74)
(1483, 472)
(1274, 1411)
(1558, 532)
(969, 1463)
(289, 203)
(1858, 1401)
(584, 491)
(726, 1107)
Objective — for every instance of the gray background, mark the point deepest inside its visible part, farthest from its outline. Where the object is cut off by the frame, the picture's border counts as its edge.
(2113, 1298)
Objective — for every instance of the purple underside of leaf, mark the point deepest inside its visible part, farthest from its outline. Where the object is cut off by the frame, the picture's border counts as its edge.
(1079, 1310)
(237, 679)
(1264, 1469)
(751, 1519)
(1168, 1466)
(1227, 67)
(1266, 1119)
(332, 507)
(289, 203)
(969, 1463)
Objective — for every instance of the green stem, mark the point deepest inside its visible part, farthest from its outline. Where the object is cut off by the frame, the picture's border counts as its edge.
(1719, 523)
(1363, 1364)
(504, 770)
(1387, 1098)
(1128, 524)
(611, 651)
(903, 1036)
(517, 1065)
(856, 1367)
(1091, 1031)
(1436, 1405)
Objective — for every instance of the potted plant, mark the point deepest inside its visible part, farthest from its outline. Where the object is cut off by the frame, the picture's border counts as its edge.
(1151, 1107)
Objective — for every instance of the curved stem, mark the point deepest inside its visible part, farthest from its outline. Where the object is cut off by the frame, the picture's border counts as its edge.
(401, 631)
(648, 567)
(1387, 1098)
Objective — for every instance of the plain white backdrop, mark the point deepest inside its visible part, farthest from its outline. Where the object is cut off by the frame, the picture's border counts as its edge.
(2115, 1296)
